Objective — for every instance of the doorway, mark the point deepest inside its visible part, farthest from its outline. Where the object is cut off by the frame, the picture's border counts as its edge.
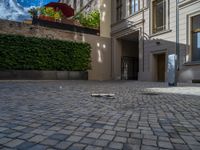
(130, 56)
(161, 67)
(130, 68)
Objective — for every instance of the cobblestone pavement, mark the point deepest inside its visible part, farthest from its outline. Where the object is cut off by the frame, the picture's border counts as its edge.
(37, 115)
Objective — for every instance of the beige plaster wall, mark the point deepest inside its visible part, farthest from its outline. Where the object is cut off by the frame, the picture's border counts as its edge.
(105, 22)
(116, 57)
(189, 70)
(101, 57)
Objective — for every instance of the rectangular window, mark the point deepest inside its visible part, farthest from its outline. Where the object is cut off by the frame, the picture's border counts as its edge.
(136, 5)
(159, 15)
(75, 5)
(196, 38)
(133, 6)
(81, 3)
(119, 10)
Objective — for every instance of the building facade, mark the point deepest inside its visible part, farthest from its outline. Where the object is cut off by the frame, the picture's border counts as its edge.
(146, 32)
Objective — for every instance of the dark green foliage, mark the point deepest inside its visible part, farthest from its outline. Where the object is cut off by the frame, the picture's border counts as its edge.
(30, 53)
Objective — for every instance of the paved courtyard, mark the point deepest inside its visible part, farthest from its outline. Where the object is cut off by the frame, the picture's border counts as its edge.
(37, 115)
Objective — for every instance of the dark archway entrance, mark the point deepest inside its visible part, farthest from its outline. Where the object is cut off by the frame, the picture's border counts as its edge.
(130, 56)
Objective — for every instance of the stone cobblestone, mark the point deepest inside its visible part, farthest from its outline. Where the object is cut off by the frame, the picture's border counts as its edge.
(49, 142)
(77, 147)
(14, 143)
(37, 115)
(116, 145)
(37, 138)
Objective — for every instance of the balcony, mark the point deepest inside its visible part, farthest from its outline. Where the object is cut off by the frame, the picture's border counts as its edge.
(63, 16)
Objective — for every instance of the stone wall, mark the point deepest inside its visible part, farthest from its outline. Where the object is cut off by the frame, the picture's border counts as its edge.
(10, 27)
(101, 46)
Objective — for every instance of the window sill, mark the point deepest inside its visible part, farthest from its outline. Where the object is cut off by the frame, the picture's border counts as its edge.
(192, 63)
(160, 33)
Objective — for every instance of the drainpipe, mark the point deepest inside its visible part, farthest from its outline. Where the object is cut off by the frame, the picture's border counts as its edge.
(143, 36)
(173, 59)
(177, 42)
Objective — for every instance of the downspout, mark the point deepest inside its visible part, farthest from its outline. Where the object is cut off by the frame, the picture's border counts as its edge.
(112, 59)
(177, 35)
(143, 36)
(177, 41)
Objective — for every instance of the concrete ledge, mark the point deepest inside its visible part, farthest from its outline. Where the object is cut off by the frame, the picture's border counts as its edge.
(43, 75)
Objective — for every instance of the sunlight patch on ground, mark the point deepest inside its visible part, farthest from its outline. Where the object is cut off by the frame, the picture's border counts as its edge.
(177, 90)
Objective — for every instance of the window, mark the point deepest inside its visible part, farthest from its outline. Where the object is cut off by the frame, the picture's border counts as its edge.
(196, 38)
(159, 15)
(75, 5)
(119, 10)
(81, 3)
(133, 6)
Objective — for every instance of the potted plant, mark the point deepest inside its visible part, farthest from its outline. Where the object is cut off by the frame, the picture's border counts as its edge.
(47, 13)
(58, 16)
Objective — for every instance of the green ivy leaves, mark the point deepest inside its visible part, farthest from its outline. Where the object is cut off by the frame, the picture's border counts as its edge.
(30, 53)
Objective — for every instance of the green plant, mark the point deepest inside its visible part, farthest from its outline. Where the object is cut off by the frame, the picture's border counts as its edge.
(49, 11)
(91, 20)
(42, 10)
(31, 53)
(58, 15)
(33, 12)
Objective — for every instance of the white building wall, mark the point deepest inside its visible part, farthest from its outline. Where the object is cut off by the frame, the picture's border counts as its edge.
(167, 39)
(189, 70)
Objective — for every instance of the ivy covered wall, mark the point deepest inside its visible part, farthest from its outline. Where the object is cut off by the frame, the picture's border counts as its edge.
(31, 53)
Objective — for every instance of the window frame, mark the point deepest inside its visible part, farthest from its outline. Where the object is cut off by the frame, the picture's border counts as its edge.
(188, 54)
(155, 28)
(75, 5)
(119, 7)
(192, 32)
(81, 3)
(131, 2)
